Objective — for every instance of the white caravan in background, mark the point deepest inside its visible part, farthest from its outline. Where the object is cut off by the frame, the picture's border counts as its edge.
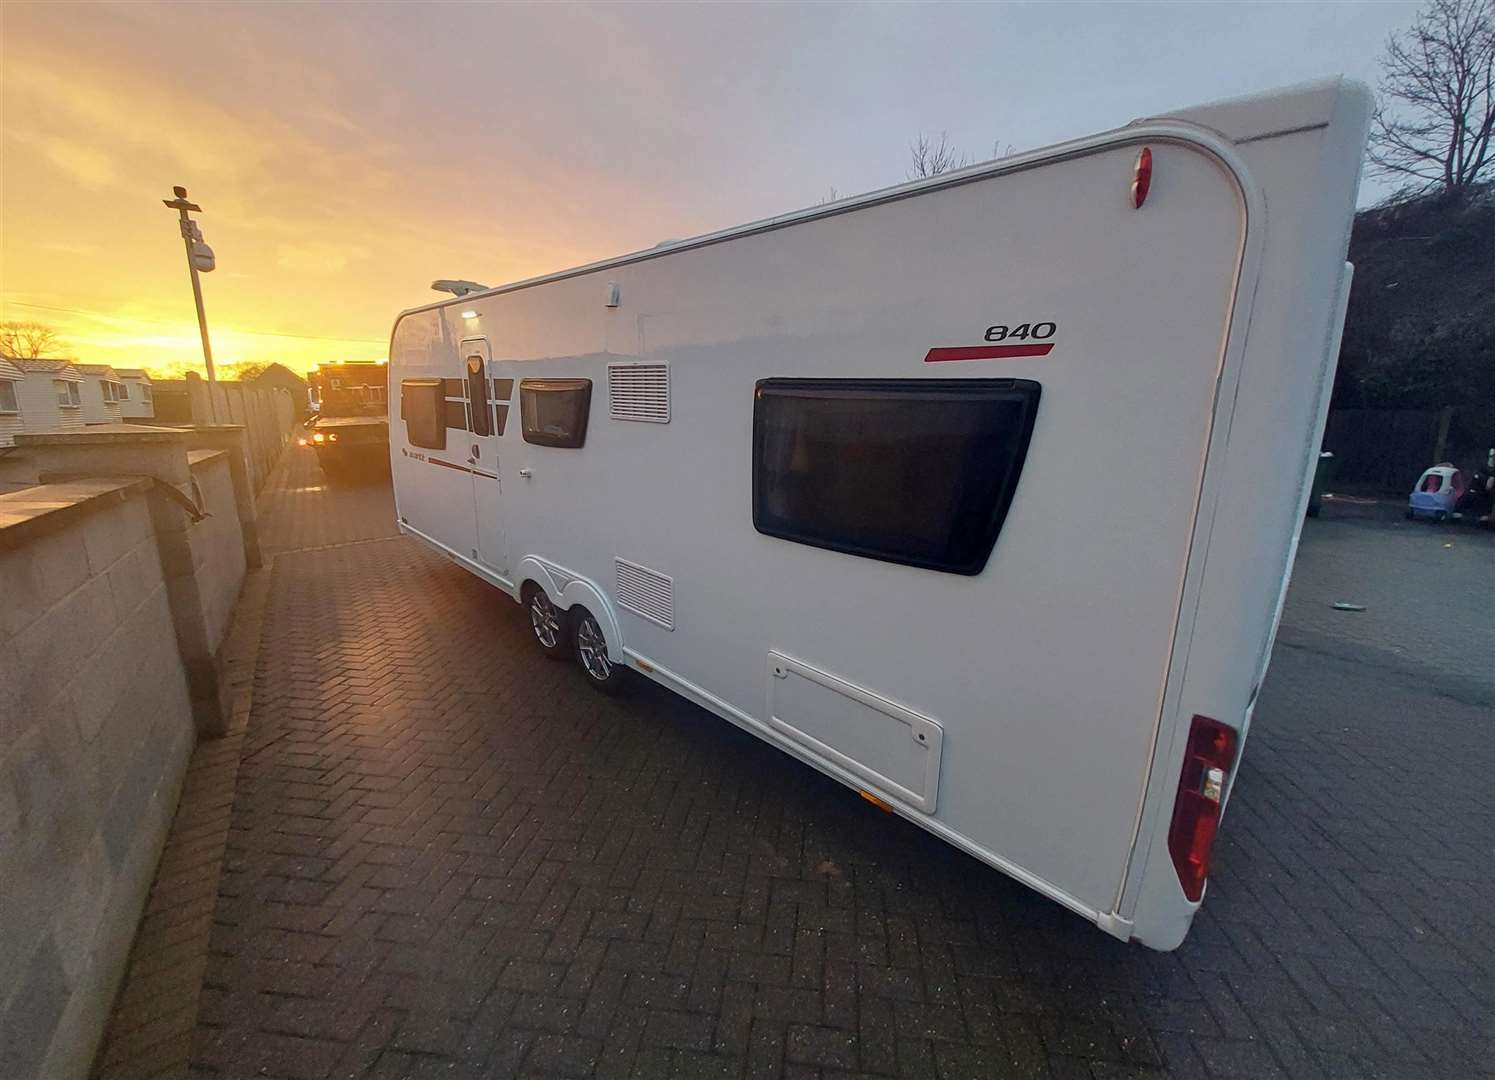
(978, 494)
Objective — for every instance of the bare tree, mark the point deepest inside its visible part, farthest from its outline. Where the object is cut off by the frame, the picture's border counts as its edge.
(930, 158)
(1440, 78)
(27, 340)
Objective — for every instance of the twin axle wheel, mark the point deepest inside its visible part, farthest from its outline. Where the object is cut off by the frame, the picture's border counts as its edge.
(573, 632)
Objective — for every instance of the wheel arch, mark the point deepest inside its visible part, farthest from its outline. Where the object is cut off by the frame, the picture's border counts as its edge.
(567, 590)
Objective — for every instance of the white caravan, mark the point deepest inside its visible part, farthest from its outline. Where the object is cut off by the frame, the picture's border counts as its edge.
(978, 494)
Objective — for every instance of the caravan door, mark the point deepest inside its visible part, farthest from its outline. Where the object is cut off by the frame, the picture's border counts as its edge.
(487, 415)
(428, 436)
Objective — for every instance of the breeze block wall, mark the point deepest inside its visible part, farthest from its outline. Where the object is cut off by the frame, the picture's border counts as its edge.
(96, 729)
(120, 570)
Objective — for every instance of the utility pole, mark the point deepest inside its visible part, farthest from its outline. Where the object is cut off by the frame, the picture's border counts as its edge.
(199, 257)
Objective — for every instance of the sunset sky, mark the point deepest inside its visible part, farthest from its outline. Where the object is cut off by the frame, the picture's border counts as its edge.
(346, 155)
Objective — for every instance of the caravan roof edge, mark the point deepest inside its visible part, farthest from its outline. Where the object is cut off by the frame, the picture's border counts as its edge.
(1213, 127)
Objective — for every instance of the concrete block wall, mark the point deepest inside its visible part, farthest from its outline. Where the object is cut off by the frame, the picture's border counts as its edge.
(186, 464)
(119, 576)
(216, 542)
(96, 729)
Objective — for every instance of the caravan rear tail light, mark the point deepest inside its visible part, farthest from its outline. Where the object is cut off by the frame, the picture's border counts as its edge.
(1201, 788)
(319, 437)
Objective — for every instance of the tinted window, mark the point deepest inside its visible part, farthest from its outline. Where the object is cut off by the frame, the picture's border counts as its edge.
(915, 471)
(477, 396)
(422, 407)
(554, 411)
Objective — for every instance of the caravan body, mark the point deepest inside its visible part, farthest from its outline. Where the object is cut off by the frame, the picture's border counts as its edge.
(978, 494)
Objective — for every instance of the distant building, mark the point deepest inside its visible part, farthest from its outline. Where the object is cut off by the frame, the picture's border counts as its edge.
(136, 401)
(101, 393)
(49, 396)
(170, 402)
(11, 378)
(281, 377)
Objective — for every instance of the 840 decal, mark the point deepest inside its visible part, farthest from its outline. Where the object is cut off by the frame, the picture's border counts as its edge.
(1027, 339)
(1039, 331)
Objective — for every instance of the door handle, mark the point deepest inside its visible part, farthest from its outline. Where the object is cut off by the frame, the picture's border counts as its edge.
(525, 473)
(477, 451)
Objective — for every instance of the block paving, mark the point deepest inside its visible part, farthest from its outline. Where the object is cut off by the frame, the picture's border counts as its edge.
(448, 857)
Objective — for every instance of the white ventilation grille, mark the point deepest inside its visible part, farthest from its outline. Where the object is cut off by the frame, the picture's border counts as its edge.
(646, 592)
(639, 392)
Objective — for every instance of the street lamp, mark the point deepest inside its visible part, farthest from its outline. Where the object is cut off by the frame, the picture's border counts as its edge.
(199, 258)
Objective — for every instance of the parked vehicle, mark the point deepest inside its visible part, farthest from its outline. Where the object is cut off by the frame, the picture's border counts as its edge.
(817, 475)
(349, 422)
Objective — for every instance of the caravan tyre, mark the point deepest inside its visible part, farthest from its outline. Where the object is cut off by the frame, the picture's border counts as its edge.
(548, 623)
(591, 654)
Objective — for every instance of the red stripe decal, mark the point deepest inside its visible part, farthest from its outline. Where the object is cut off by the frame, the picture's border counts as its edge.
(987, 352)
(448, 464)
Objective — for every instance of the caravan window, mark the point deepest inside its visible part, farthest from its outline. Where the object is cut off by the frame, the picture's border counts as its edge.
(914, 471)
(422, 407)
(554, 411)
(481, 419)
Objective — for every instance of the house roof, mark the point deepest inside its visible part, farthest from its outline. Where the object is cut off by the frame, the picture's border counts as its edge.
(8, 370)
(96, 369)
(278, 371)
(63, 369)
(132, 373)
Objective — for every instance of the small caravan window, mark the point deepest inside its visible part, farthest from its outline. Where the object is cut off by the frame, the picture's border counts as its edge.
(554, 411)
(913, 471)
(481, 418)
(422, 407)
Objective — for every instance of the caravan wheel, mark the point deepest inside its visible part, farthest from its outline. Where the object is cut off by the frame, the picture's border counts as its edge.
(591, 654)
(548, 624)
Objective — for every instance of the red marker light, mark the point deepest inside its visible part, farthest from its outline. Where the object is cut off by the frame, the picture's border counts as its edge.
(1141, 177)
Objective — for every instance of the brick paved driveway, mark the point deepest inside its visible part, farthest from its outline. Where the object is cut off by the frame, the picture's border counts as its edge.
(450, 858)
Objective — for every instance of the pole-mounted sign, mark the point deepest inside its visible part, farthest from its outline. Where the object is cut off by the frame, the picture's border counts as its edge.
(199, 258)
